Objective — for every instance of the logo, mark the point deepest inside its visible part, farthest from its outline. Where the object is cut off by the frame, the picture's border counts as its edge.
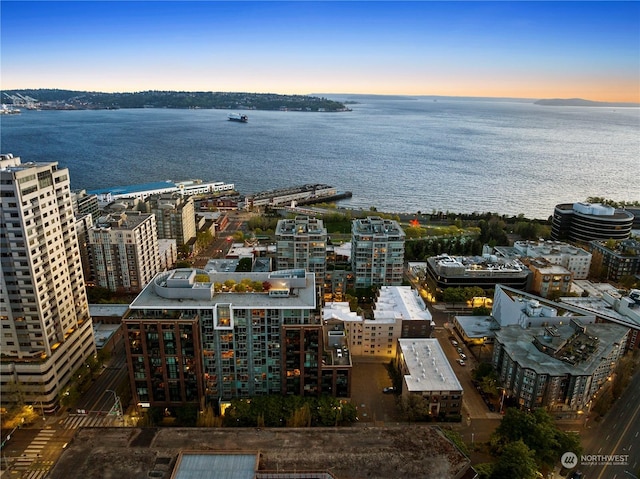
(569, 460)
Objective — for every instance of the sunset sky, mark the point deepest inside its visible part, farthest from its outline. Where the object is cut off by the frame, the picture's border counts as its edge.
(544, 49)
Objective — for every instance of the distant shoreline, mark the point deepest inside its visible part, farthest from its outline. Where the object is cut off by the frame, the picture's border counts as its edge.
(582, 102)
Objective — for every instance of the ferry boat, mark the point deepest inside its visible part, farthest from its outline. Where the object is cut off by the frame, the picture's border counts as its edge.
(238, 117)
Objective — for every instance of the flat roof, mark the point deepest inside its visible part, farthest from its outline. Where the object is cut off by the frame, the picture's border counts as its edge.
(429, 368)
(518, 344)
(139, 188)
(302, 298)
(400, 302)
(200, 465)
(478, 326)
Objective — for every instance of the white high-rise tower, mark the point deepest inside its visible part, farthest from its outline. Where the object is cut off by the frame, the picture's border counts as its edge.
(46, 330)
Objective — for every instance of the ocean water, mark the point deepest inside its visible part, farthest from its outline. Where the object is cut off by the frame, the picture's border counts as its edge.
(394, 154)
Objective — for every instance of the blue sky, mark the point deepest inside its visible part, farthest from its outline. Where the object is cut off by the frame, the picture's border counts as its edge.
(501, 49)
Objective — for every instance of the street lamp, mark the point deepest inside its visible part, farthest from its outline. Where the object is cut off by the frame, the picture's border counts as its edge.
(502, 399)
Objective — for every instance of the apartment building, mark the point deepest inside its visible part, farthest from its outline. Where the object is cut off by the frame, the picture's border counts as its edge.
(44, 316)
(248, 334)
(175, 216)
(576, 260)
(552, 355)
(612, 260)
(427, 373)
(301, 243)
(123, 251)
(377, 256)
(547, 279)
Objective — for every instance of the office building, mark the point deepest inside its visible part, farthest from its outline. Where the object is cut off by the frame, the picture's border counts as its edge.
(427, 373)
(377, 256)
(485, 271)
(123, 251)
(46, 327)
(584, 222)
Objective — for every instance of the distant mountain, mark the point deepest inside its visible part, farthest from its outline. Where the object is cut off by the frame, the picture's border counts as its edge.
(581, 102)
(83, 100)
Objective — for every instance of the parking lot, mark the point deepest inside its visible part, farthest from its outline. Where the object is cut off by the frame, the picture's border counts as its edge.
(368, 381)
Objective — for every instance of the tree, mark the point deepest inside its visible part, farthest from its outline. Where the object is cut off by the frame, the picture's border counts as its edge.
(516, 462)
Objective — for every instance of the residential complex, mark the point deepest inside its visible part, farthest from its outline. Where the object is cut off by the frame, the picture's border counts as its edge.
(613, 260)
(613, 307)
(377, 254)
(123, 251)
(301, 243)
(547, 279)
(427, 373)
(192, 335)
(550, 355)
(575, 259)
(46, 327)
(584, 222)
(175, 216)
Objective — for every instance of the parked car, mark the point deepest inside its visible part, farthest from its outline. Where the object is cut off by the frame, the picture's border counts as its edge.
(463, 356)
(461, 362)
(459, 350)
(454, 342)
(389, 390)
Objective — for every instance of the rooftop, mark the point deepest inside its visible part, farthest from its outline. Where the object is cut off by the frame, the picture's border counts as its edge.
(348, 453)
(476, 265)
(429, 368)
(520, 345)
(478, 327)
(400, 302)
(181, 290)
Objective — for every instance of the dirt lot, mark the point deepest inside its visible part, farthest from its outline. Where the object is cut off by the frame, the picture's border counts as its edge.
(347, 453)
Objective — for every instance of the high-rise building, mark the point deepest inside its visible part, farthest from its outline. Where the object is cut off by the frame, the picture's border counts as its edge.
(46, 327)
(123, 251)
(377, 256)
(175, 216)
(302, 244)
(192, 335)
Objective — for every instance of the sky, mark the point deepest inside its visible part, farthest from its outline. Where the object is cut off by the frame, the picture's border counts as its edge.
(544, 49)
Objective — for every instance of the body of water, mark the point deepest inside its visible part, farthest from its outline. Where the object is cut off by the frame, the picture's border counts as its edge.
(394, 154)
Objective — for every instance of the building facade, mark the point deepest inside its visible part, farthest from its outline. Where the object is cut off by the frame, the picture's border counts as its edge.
(175, 216)
(46, 327)
(548, 280)
(301, 243)
(258, 334)
(576, 260)
(427, 374)
(612, 260)
(486, 272)
(123, 251)
(584, 222)
(377, 255)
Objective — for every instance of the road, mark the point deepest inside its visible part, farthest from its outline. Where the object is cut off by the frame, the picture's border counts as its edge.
(617, 434)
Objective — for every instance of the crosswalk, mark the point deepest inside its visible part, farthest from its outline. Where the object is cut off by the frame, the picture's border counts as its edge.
(29, 464)
(76, 421)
